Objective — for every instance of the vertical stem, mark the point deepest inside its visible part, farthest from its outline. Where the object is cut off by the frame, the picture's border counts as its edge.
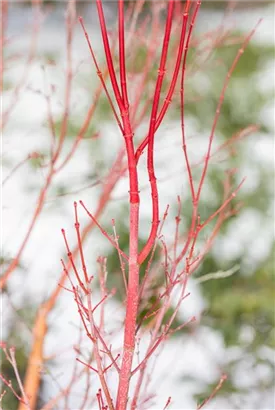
(131, 312)
(122, 67)
(108, 53)
(133, 276)
(151, 136)
(182, 102)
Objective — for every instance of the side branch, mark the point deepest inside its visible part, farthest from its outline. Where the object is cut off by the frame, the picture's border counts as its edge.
(151, 136)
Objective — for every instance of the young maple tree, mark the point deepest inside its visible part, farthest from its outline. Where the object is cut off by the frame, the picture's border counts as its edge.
(169, 43)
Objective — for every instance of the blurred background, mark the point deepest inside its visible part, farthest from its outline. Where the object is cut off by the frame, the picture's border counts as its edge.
(234, 331)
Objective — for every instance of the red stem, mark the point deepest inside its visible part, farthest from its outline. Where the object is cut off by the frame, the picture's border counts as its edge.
(131, 312)
(171, 90)
(122, 70)
(108, 53)
(99, 73)
(151, 136)
(183, 102)
(133, 281)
